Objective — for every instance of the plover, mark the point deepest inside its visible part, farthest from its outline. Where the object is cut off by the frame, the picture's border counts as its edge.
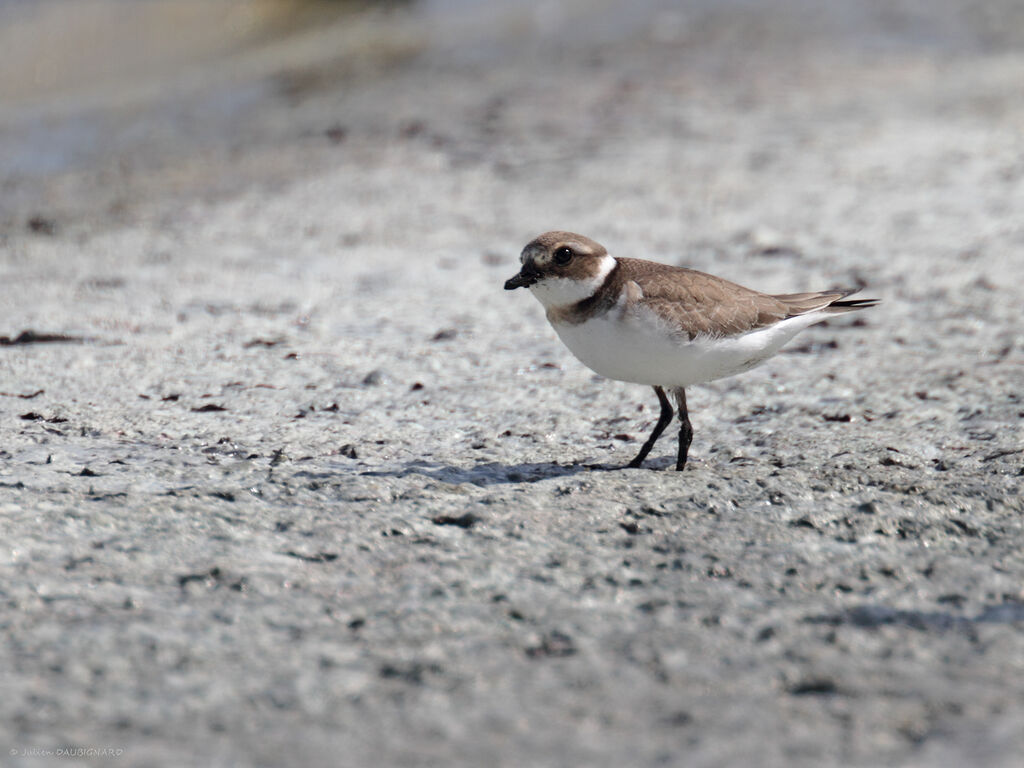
(664, 326)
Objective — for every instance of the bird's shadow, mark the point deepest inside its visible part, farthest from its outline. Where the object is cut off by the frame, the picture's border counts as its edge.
(493, 472)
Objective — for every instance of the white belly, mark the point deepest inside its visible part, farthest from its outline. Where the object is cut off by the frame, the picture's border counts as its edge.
(638, 350)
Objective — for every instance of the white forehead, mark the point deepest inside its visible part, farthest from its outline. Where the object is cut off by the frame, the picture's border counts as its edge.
(542, 255)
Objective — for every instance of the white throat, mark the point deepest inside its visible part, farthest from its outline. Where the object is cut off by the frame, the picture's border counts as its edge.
(555, 292)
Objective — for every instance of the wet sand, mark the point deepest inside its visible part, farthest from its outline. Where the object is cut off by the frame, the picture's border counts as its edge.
(301, 485)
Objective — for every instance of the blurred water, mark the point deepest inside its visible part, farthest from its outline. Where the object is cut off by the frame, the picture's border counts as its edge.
(72, 49)
(83, 82)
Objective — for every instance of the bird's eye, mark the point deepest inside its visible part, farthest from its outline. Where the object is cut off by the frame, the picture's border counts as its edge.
(563, 256)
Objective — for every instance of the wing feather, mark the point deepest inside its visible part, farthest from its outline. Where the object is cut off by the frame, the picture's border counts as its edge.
(702, 304)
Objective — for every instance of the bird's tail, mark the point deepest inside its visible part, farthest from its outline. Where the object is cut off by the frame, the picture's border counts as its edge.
(827, 302)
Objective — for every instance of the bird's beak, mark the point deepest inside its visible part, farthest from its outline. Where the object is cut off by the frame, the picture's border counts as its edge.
(527, 276)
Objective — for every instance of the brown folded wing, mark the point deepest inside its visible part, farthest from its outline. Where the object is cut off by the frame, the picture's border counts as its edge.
(703, 304)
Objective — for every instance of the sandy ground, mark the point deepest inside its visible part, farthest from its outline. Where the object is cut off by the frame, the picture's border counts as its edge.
(306, 487)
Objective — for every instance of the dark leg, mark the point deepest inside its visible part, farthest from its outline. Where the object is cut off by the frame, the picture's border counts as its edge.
(663, 420)
(685, 430)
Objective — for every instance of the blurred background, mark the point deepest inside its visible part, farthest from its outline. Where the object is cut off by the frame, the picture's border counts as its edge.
(109, 105)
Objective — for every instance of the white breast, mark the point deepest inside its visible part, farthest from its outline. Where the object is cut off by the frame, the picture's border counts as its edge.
(636, 347)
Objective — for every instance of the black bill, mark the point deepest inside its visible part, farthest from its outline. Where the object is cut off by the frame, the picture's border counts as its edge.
(527, 276)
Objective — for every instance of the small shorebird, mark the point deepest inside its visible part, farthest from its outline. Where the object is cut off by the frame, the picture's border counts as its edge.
(665, 326)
